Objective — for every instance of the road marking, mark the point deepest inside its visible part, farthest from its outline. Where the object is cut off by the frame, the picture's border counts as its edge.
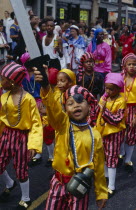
(38, 201)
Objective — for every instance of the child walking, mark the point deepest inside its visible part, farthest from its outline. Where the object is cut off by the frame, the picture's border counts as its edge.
(129, 74)
(111, 125)
(72, 127)
(21, 132)
(88, 78)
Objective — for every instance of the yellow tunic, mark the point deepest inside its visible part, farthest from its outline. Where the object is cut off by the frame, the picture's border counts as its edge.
(131, 95)
(30, 119)
(59, 120)
(108, 128)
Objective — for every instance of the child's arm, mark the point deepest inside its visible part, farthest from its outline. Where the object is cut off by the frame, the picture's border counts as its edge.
(99, 178)
(35, 136)
(56, 116)
(111, 118)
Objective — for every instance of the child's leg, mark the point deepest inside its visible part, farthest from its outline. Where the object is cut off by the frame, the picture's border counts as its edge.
(25, 190)
(7, 180)
(129, 151)
(106, 171)
(122, 149)
(112, 177)
(78, 204)
(50, 149)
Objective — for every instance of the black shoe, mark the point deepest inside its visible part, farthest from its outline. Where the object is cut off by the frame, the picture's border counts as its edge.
(23, 205)
(129, 167)
(120, 161)
(6, 193)
(111, 193)
(49, 163)
(35, 162)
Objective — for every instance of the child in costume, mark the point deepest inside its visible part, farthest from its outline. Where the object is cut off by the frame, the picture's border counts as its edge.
(129, 74)
(21, 131)
(111, 125)
(73, 123)
(87, 77)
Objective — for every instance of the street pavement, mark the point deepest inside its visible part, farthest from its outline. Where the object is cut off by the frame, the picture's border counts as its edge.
(124, 199)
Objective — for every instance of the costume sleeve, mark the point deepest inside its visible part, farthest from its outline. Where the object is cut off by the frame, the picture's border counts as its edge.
(89, 48)
(108, 58)
(78, 53)
(99, 178)
(56, 116)
(35, 136)
(111, 118)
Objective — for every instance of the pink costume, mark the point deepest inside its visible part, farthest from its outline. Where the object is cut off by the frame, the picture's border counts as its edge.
(103, 58)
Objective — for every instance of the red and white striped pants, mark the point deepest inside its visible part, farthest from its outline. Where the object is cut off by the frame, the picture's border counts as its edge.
(112, 144)
(59, 198)
(13, 144)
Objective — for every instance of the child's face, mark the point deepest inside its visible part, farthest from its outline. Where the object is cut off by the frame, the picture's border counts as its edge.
(112, 90)
(88, 65)
(131, 66)
(63, 82)
(6, 83)
(77, 111)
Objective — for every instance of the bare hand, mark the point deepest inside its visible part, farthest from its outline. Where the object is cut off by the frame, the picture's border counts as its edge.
(32, 153)
(101, 203)
(38, 75)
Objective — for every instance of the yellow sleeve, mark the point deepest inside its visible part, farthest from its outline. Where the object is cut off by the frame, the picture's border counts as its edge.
(35, 136)
(56, 117)
(99, 178)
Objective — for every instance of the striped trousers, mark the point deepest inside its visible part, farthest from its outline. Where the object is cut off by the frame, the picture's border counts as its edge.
(130, 131)
(13, 144)
(112, 144)
(59, 198)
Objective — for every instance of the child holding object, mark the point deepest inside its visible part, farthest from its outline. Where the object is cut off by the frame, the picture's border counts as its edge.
(111, 125)
(21, 131)
(87, 151)
(129, 74)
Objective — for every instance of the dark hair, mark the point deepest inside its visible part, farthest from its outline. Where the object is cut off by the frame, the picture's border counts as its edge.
(12, 15)
(42, 22)
(100, 20)
(31, 16)
(48, 18)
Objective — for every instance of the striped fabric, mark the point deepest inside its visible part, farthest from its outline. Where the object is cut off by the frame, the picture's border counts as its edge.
(14, 71)
(83, 58)
(112, 144)
(111, 118)
(76, 89)
(59, 198)
(130, 131)
(13, 144)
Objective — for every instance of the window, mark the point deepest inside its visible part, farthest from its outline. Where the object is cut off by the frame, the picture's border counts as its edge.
(29, 2)
(49, 1)
(49, 11)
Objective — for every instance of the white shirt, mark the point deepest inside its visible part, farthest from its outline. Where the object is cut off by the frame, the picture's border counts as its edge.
(7, 23)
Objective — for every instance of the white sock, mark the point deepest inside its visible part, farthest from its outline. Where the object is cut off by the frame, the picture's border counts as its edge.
(122, 149)
(25, 190)
(112, 177)
(50, 150)
(106, 171)
(129, 151)
(6, 178)
(37, 156)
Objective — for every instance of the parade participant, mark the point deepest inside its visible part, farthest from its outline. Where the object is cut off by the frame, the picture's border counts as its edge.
(14, 33)
(129, 73)
(33, 88)
(111, 125)
(72, 126)
(51, 43)
(21, 130)
(76, 48)
(126, 40)
(101, 52)
(87, 77)
(42, 32)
